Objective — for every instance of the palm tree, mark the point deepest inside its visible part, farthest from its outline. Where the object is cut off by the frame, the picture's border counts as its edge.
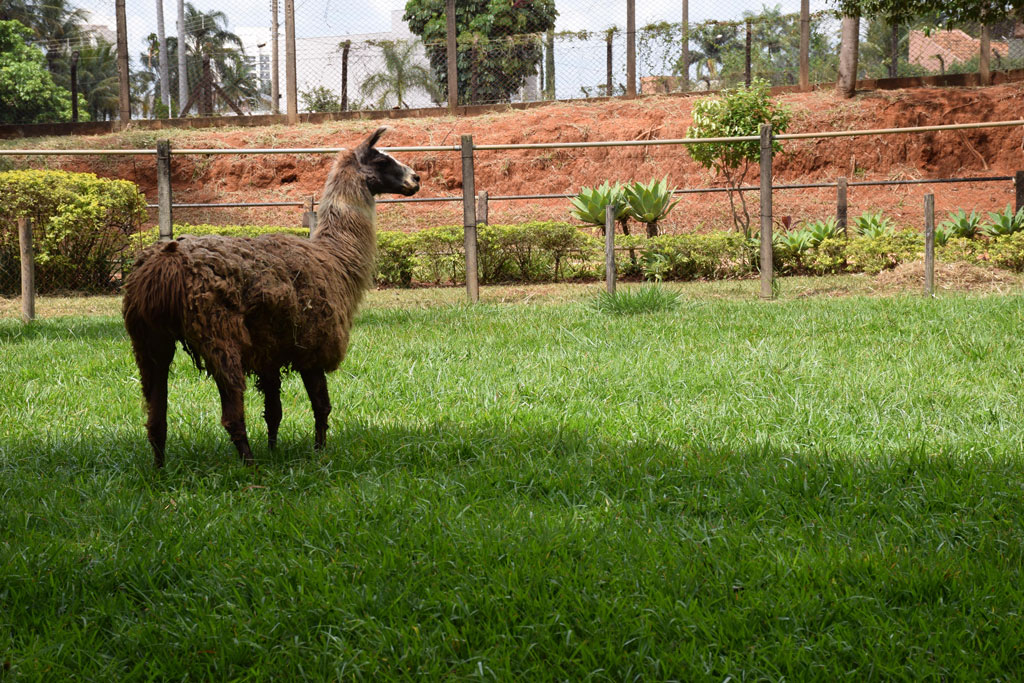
(150, 61)
(402, 74)
(239, 82)
(206, 35)
(97, 79)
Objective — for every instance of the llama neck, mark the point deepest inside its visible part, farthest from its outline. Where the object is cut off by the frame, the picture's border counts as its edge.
(346, 217)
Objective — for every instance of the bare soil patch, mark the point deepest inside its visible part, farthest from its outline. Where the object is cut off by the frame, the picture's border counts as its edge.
(294, 177)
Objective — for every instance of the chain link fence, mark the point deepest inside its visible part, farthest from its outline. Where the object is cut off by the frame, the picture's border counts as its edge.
(394, 53)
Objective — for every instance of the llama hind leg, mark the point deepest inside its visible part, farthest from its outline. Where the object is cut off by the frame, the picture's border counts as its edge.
(154, 360)
(315, 382)
(232, 405)
(270, 384)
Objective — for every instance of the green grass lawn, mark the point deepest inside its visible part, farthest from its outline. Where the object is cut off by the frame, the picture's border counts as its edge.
(804, 489)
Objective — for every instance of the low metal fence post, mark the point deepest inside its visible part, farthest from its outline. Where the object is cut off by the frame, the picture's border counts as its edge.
(163, 190)
(767, 255)
(609, 248)
(309, 217)
(929, 244)
(1018, 186)
(841, 206)
(28, 270)
(469, 220)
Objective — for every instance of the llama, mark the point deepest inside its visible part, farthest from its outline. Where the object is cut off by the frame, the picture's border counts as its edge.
(253, 306)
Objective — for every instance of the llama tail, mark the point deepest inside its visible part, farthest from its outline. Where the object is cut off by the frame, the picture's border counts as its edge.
(154, 296)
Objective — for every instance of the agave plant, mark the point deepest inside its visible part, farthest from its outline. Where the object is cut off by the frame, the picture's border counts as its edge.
(822, 230)
(590, 204)
(797, 241)
(1004, 222)
(873, 225)
(959, 224)
(649, 203)
(943, 233)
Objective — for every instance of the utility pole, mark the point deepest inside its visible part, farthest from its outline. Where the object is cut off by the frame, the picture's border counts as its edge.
(182, 63)
(630, 48)
(124, 101)
(74, 86)
(686, 45)
(453, 73)
(275, 89)
(805, 44)
(289, 62)
(165, 80)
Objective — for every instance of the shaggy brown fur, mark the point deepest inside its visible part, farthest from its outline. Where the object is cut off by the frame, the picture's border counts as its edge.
(243, 306)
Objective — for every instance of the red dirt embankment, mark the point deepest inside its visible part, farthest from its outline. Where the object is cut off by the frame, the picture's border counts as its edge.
(982, 152)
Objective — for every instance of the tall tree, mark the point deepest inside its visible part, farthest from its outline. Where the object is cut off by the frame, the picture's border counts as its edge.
(497, 44)
(97, 79)
(207, 35)
(401, 76)
(28, 93)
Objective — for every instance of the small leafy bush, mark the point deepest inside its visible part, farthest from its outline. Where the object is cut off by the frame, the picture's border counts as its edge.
(695, 256)
(396, 258)
(958, 225)
(649, 203)
(874, 224)
(821, 230)
(1007, 251)
(1004, 222)
(872, 255)
(81, 226)
(590, 204)
(827, 258)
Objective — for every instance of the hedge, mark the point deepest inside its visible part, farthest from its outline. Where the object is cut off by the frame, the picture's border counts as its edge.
(554, 251)
(81, 227)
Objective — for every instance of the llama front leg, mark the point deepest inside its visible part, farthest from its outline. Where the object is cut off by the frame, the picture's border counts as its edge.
(232, 405)
(270, 384)
(315, 382)
(154, 361)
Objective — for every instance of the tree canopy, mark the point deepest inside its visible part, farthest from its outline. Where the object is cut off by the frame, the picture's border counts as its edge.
(28, 93)
(499, 43)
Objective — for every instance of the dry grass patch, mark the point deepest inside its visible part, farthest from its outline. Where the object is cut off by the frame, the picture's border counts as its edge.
(960, 277)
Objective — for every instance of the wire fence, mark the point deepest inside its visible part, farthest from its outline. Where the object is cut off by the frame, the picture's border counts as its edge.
(394, 53)
(97, 260)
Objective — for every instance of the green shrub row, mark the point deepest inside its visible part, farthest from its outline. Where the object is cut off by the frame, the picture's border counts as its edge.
(81, 227)
(551, 251)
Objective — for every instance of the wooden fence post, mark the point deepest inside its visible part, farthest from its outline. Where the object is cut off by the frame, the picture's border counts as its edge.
(481, 207)
(469, 220)
(309, 217)
(28, 270)
(609, 248)
(767, 256)
(841, 206)
(163, 190)
(929, 244)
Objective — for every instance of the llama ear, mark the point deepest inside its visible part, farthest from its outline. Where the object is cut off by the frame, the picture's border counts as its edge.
(372, 140)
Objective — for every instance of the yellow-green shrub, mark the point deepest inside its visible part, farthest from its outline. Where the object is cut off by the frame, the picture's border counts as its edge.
(81, 225)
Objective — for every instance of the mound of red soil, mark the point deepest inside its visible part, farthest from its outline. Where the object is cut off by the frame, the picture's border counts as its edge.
(265, 178)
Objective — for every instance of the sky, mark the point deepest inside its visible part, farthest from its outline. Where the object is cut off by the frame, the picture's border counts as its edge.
(250, 19)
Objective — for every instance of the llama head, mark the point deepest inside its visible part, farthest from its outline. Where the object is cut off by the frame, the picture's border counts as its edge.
(384, 174)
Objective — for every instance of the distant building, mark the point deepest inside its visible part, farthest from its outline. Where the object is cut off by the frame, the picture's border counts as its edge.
(319, 61)
(939, 50)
